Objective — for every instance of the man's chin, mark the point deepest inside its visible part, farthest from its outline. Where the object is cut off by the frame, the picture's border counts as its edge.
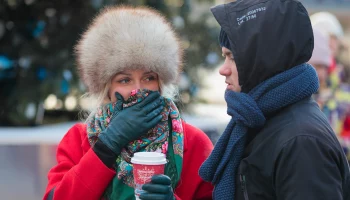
(233, 88)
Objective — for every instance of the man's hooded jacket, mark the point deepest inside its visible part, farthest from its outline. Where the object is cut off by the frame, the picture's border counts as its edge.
(295, 155)
(259, 52)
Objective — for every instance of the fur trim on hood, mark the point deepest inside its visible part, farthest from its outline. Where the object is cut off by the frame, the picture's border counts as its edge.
(124, 37)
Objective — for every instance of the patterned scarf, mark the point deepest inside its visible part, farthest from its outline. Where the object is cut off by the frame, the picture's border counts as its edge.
(166, 137)
(249, 111)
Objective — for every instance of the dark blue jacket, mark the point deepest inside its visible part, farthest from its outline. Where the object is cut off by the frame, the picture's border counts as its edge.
(296, 156)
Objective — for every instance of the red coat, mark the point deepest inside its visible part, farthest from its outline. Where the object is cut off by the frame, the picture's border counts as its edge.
(80, 174)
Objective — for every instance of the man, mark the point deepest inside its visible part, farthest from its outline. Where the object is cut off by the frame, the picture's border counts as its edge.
(278, 144)
(331, 27)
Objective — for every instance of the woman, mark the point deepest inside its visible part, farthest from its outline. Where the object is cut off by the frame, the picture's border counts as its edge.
(129, 59)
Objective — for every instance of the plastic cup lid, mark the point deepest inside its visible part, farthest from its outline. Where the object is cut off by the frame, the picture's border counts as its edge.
(148, 158)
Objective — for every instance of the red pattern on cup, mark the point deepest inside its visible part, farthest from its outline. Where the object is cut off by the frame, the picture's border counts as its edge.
(143, 175)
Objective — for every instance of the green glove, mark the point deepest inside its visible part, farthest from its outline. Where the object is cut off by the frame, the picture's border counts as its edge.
(131, 123)
(158, 189)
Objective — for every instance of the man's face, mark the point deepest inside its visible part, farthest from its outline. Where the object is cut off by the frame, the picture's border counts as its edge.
(229, 70)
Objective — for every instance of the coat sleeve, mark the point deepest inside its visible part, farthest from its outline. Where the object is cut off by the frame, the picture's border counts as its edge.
(77, 175)
(197, 147)
(308, 168)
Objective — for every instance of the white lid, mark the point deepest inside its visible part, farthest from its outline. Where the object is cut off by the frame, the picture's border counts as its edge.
(148, 158)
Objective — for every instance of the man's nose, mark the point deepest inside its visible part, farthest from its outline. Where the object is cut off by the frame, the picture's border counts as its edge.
(225, 70)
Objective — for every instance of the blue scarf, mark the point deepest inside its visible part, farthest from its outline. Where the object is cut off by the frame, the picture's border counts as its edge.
(249, 111)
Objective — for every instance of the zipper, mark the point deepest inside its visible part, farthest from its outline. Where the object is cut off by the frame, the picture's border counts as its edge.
(243, 186)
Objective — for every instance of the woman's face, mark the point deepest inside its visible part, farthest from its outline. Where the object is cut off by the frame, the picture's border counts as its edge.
(126, 81)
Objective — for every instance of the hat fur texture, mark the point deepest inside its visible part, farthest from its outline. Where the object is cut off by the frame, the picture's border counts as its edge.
(127, 38)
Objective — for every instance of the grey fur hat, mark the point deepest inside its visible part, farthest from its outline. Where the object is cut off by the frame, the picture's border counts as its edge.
(124, 37)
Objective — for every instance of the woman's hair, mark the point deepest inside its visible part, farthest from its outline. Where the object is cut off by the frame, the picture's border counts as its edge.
(170, 91)
(95, 100)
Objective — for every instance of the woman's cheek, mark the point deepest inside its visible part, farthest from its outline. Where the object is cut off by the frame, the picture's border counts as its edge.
(154, 86)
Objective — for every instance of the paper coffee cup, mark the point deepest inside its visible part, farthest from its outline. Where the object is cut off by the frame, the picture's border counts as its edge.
(146, 164)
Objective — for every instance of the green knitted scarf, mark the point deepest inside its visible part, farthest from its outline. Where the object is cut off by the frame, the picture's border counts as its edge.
(166, 137)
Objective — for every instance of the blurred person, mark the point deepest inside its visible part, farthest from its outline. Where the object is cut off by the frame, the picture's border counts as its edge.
(278, 144)
(330, 25)
(321, 60)
(338, 106)
(329, 99)
(344, 58)
(321, 57)
(128, 58)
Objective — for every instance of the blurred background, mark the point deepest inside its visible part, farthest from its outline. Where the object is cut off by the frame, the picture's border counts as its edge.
(40, 93)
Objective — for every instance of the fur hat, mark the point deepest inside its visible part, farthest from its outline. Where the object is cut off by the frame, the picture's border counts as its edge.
(124, 37)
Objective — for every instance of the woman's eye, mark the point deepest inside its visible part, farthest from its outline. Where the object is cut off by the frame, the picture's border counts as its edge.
(150, 78)
(124, 81)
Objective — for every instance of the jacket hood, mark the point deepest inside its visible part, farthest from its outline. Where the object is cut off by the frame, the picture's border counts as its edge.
(122, 38)
(266, 37)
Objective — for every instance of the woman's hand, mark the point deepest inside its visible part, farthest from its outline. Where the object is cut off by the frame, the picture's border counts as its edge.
(131, 123)
(158, 189)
